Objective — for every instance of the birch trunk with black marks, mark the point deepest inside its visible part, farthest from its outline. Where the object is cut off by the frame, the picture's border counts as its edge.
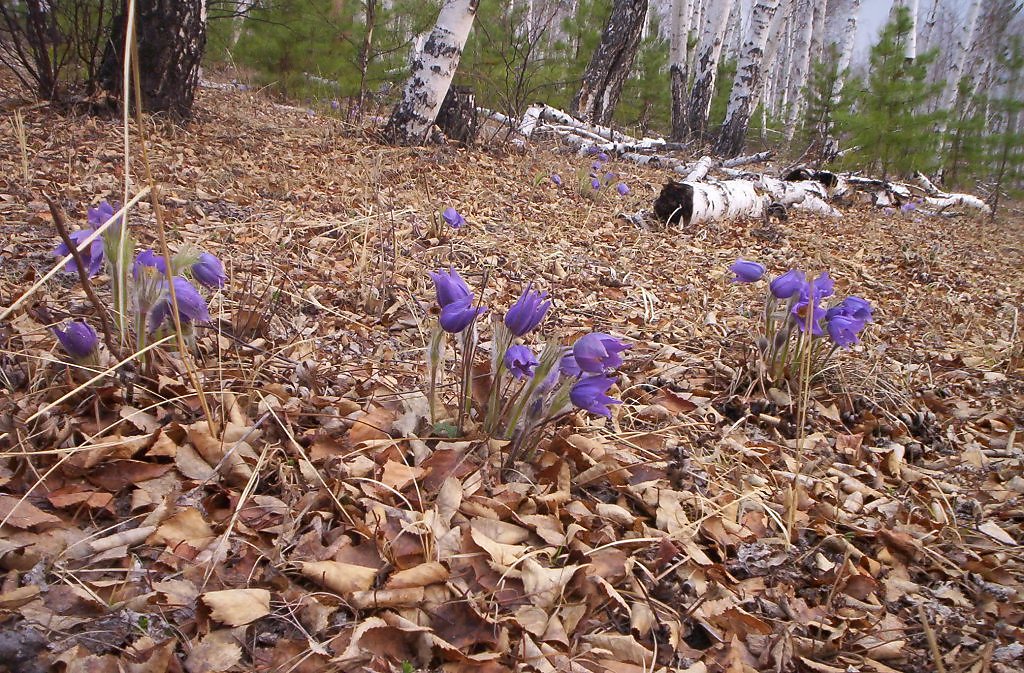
(171, 38)
(679, 34)
(709, 50)
(748, 73)
(801, 56)
(910, 47)
(611, 63)
(962, 46)
(433, 68)
(840, 35)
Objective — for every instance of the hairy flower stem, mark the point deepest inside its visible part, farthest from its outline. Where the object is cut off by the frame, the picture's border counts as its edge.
(502, 340)
(435, 356)
(469, 340)
(548, 359)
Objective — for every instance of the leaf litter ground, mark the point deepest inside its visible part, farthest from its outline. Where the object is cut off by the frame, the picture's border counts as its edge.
(318, 524)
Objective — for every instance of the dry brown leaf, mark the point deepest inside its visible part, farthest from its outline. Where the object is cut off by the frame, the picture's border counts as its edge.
(188, 526)
(23, 514)
(544, 586)
(342, 578)
(418, 576)
(218, 651)
(236, 607)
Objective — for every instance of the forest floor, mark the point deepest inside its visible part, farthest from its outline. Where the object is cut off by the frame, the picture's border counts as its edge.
(317, 524)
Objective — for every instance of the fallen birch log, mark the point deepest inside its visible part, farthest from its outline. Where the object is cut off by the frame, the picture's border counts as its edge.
(689, 203)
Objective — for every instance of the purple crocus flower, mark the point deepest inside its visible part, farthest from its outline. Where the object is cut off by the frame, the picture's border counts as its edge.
(453, 218)
(335, 105)
(801, 311)
(597, 352)
(856, 308)
(746, 271)
(450, 287)
(595, 183)
(824, 286)
(788, 284)
(92, 256)
(101, 213)
(622, 188)
(78, 339)
(458, 315)
(568, 365)
(557, 179)
(844, 330)
(520, 361)
(209, 272)
(191, 305)
(601, 156)
(595, 167)
(524, 316)
(589, 394)
(148, 258)
(593, 149)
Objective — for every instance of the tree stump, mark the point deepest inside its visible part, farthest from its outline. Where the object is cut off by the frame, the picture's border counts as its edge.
(457, 117)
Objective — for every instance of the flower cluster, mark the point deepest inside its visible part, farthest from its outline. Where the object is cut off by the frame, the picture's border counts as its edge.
(140, 283)
(599, 176)
(797, 322)
(529, 387)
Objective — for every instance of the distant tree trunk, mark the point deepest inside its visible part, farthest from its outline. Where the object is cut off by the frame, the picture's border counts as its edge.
(964, 43)
(679, 35)
(171, 36)
(770, 64)
(433, 68)
(748, 73)
(709, 50)
(610, 65)
(801, 56)
(841, 36)
(910, 47)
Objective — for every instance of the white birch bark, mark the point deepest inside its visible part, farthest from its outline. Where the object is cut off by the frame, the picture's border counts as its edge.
(772, 61)
(818, 30)
(709, 50)
(432, 71)
(747, 80)
(801, 56)
(962, 45)
(679, 33)
(910, 48)
(842, 37)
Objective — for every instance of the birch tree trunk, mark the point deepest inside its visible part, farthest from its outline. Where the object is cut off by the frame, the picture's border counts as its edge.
(843, 39)
(171, 37)
(610, 65)
(771, 64)
(962, 46)
(709, 50)
(433, 68)
(748, 73)
(801, 55)
(679, 35)
(910, 48)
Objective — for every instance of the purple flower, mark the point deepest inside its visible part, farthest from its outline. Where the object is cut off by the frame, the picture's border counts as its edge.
(746, 271)
(527, 312)
(335, 105)
(191, 305)
(853, 307)
(148, 258)
(209, 272)
(557, 179)
(597, 352)
(595, 183)
(608, 177)
(908, 207)
(622, 188)
(458, 315)
(595, 167)
(589, 394)
(788, 284)
(453, 218)
(92, 256)
(844, 330)
(520, 361)
(601, 156)
(801, 310)
(101, 213)
(450, 287)
(78, 339)
(824, 286)
(593, 149)
(568, 365)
